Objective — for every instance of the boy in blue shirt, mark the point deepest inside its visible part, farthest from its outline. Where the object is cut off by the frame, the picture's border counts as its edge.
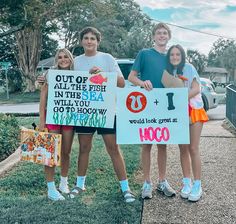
(150, 64)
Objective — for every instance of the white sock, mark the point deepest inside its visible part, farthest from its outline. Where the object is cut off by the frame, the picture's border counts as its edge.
(64, 180)
(124, 184)
(80, 182)
(51, 186)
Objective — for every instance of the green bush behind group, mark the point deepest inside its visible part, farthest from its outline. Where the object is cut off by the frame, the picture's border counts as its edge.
(9, 135)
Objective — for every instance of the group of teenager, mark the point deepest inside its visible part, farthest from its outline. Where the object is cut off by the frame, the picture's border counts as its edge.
(147, 73)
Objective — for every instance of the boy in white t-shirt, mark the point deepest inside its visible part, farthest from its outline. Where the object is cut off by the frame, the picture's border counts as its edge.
(93, 60)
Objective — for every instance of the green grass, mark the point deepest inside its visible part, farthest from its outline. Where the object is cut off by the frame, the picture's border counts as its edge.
(23, 190)
(27, 121)
(15, 98)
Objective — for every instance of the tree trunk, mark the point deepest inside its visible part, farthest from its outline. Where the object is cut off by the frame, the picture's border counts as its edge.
(29, 42)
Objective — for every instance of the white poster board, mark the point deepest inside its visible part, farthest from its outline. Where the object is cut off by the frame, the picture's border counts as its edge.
(78, 98)
(159, 116)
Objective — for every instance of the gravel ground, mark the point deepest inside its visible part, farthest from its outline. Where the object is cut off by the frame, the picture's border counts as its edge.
(218, 204)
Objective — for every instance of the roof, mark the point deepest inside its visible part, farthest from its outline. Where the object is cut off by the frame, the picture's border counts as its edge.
(47, 63)
(215, 70)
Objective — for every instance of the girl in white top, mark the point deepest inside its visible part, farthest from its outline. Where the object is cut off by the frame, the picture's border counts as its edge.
(177, 66)
(63, 60)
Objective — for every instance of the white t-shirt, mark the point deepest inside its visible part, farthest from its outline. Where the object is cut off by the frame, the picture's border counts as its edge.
(104, 61)
(190, 72)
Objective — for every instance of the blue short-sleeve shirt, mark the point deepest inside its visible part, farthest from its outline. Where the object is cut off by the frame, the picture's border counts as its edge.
(150, 64)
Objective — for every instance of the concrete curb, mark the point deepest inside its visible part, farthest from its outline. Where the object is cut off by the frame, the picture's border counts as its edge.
(10, 161)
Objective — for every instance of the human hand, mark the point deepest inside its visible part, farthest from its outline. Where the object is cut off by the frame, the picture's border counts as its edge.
(147, 85)
(42, 126)
(94, 70)
(41, 79)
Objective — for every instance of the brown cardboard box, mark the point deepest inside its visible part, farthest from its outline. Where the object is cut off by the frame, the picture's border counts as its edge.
(169, 81)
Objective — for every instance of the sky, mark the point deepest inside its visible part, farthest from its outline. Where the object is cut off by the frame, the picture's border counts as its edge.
(216, 17)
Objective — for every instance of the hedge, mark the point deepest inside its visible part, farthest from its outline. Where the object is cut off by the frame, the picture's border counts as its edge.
(9, 135)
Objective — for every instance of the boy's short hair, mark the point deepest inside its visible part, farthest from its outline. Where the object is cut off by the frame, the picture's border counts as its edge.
(92, 30)
(159, 26)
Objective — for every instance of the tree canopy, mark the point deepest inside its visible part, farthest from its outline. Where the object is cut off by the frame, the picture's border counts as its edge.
(223, 54)
(28, 19)
(125, 29)
(197, 59)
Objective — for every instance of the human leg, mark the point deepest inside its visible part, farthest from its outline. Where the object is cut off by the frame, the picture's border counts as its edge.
(85, 146)
(186, 169)
(146, 161)
(49, 173)
(195, 134)
(161, 161)
(119, 165)
(185, 160)
(114, 152)
(146, 165)
(163, 185)
(53, 193)
(67, 139)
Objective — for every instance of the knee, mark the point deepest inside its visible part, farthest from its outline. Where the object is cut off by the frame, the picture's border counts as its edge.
(85, 148)
(193, 151)
(113, 150)
(65, 153)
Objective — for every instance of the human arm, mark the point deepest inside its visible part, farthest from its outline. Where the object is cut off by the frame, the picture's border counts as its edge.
(42, 106)
(195, 89)
(194, 81)
(133, 77)
(120, 81)
(114, 67)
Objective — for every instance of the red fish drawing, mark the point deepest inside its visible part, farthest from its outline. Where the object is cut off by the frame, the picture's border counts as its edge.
(97, 79)
(183, 78)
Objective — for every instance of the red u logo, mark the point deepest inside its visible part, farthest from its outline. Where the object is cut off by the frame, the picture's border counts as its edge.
(136, 102)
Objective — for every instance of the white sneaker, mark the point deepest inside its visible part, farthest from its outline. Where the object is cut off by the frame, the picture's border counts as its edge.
(147, 191)
(55, 195)
(196, 191)
(63, 188)
(186, 189)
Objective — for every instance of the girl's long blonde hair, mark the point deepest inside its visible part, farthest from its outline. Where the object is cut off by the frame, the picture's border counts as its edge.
(66, 52)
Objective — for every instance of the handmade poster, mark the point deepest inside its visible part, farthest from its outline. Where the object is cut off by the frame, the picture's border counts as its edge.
(41, 147)
(80, 99)
(159, 116)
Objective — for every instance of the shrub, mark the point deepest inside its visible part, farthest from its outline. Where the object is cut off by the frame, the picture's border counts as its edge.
(9, 132)
(15, 80)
